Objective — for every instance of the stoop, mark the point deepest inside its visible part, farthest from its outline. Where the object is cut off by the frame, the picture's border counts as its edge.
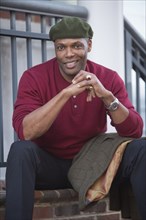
(63, 205)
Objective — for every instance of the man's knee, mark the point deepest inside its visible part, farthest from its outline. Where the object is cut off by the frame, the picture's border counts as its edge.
(133, 157)
(21, 149)
(137, 156)
(138, 147)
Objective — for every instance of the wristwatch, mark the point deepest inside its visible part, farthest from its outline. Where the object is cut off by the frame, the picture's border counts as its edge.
(113, 105)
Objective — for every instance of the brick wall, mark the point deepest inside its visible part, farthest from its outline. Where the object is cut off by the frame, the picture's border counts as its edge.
(63, 205)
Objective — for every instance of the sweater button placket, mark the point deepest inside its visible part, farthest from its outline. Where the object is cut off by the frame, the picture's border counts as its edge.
(75, 106)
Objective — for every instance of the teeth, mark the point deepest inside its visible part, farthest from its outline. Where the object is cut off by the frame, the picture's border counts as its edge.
(71, 64)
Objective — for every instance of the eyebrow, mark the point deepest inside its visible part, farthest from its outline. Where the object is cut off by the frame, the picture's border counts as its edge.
(72, 43)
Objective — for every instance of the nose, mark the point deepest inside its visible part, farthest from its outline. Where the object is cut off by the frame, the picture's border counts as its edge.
(69, 52)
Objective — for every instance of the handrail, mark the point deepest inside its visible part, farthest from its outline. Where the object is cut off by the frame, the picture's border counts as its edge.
(135, 35)
(52, 8)
(140, 45)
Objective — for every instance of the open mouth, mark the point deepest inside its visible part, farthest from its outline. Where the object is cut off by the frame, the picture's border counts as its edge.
(70, 64)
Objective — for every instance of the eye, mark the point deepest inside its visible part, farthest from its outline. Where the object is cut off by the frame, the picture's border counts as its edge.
(78, 46)
(60, 47)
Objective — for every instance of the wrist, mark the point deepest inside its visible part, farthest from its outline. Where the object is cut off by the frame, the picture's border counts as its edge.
(113, 106)
(111, 102)
(66, 93)
(108, 98)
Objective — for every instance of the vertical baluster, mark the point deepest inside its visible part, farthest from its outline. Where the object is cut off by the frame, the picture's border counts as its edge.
(145, 108)
(1, 120)
(128, 63)
(14, 59)
(137, 91)
(43, 42)
(28, 41)
(14, 55)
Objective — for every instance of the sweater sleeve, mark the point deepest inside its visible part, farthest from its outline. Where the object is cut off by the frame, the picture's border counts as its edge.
(131, 127)
(133, 124)
(28, 99)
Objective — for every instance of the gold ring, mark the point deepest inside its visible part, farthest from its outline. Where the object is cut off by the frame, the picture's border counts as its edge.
(90, 87)
(88, 77)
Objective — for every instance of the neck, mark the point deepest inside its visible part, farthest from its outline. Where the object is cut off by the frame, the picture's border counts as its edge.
(68, 78)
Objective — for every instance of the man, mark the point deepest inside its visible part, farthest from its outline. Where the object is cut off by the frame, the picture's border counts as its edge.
(62, 104)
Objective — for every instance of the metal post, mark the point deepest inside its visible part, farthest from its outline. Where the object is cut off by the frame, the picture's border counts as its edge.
(29, 41)
(43, 42)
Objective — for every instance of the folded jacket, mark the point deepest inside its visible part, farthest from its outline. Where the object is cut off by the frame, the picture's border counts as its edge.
(92, 162)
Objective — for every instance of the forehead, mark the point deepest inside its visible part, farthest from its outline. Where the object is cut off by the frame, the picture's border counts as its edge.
(71, 41)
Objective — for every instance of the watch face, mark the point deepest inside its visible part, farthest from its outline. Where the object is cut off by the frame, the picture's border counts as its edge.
(114, 105)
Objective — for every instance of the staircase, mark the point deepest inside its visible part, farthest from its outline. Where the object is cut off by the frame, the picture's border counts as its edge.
(63, 205)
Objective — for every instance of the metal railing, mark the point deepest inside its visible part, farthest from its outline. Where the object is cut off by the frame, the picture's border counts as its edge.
(135, 69)
(17, 22)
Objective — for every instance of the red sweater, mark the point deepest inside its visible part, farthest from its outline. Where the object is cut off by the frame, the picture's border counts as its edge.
(79, 120)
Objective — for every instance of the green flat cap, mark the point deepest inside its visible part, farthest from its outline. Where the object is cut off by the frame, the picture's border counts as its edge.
(70, 27)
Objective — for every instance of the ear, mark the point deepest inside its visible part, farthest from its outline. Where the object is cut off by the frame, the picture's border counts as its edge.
(89, 45)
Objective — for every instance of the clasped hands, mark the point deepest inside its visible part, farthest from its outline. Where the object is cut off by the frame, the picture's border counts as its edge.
(89, 82)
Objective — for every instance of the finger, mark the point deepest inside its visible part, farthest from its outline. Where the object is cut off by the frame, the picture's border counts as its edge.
(82, 75)
(78, 77)
(88, 77)
(89, 97)
(90, 87)
(93, 93)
